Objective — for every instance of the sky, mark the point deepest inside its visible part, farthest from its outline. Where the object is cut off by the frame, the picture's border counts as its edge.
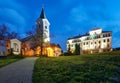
(68, 18)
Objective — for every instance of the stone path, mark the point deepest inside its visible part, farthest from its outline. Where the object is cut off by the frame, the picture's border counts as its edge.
(18, 72)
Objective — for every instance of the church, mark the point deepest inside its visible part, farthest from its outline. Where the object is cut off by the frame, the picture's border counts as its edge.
(34, 45)
(40, 44)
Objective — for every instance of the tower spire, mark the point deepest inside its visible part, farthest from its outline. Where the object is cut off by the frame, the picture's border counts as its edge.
(42, 15)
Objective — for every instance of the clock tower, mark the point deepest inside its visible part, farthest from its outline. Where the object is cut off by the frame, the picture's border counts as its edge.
(42, 27)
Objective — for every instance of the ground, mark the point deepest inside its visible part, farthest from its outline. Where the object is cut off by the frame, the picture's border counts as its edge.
(18, 72)
(7, 60)
(96, 68)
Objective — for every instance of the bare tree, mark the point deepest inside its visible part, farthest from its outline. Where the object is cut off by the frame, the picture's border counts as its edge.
(6, 34)
(37, 39)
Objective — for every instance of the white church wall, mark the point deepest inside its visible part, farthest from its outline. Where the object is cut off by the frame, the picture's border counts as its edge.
(16, 46)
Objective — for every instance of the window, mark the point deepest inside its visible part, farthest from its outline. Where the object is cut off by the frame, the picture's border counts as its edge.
(109, 35)
(108, 40)
(91, 42)
(104, 40)
(71, 45)
(45, 27)
(67, 42)
(95, 42)
(86, 43)
(99, 42)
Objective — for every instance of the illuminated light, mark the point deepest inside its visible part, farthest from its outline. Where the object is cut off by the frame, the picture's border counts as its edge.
(50, 52)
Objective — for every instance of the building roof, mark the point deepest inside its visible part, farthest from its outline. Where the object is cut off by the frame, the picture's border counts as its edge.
(26, 38)
(87, 34)
(106, 31)
(95, 29)
(42, 15)
(78, 36)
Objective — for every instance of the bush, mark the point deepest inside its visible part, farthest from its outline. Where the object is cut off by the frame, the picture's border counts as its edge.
(67, 54)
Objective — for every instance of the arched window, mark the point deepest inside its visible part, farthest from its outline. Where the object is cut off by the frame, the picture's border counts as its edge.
(15, 47)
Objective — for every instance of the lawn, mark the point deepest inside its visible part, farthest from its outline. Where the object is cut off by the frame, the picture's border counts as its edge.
(96, 68)
(9, 59)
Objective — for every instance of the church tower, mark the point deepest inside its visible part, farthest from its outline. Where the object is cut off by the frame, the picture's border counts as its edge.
(42, 27)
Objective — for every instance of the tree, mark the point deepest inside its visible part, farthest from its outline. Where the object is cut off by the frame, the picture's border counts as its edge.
(69, 49)
(37, 39)
(77, 49)
(5, 33)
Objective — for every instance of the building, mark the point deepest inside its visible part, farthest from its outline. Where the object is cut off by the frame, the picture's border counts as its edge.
(96, 40)
(32, 48)
(3, 47)
(28, 46)
(15, 45)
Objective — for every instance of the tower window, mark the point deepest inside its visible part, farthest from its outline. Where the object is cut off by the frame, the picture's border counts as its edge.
(45, 27)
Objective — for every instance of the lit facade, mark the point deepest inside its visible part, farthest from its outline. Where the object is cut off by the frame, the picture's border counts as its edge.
(93, 42)
(15, 45)
(42, 29)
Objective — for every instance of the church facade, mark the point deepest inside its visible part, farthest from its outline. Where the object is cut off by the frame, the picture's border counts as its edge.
(95, 41)
(33, 45)
(40, 44)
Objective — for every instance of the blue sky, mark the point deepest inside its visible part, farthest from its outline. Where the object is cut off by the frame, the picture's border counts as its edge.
(67, 17)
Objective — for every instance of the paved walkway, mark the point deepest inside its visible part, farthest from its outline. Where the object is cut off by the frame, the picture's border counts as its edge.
(18, 72)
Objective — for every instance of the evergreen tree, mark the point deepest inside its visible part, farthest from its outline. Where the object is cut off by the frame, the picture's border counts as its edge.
(69, 50)
(77, 49)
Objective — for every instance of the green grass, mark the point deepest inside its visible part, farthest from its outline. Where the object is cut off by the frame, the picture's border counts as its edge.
(96, 68)
(9, 59)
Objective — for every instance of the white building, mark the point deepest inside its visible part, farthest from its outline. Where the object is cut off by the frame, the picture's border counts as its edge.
(42, 27)
(94, 41)
(15, 45)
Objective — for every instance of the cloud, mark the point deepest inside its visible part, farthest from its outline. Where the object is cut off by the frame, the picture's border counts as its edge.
(78, 14)
(13, 15)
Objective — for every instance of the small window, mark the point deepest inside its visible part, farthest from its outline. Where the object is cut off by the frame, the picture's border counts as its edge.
(104, 40)
(108, 40)
(95, 42)
(45, 27)
(99, 42)
(84, 43)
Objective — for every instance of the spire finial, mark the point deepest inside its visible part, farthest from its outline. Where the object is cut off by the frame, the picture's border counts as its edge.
(42, 15)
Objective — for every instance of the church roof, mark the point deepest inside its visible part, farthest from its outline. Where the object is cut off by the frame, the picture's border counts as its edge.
(42, 15)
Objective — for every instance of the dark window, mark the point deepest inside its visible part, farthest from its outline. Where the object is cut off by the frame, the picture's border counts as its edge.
(67, 42)
(99, 42)
(109, 34)
(45, 27)
(91, 42)
(108, 40)
(104, 40)
(84, 43)
(95, 42)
